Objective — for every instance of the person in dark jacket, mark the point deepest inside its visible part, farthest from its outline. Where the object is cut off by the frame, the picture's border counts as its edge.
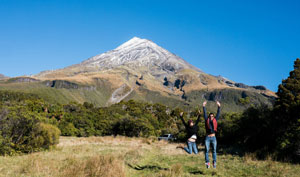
(211, 125)
(191, 130)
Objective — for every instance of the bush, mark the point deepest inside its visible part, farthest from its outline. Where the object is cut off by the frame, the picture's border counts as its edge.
(229, 128)
(44, 136)
(129, 126)
(68, 129)
(23, 131)
(24, 126)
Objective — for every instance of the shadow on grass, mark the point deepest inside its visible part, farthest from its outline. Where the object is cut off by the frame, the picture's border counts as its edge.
(147, 167)
(154, 167)
(197, 172)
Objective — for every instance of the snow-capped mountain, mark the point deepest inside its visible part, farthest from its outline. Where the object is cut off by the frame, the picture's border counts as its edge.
(138, 52)
(141, 69)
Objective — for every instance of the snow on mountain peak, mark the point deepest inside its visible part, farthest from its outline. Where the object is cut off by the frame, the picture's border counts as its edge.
(137, 52)
(131, 42)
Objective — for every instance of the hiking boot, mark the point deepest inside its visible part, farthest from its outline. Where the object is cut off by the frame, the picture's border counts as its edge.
(214, 164)
(207, 165)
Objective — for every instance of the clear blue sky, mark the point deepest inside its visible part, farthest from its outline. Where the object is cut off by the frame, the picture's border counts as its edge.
(253, 42)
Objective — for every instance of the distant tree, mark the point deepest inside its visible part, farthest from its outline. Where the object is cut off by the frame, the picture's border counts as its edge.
(289, 91)
(88, 105)
(287, 115)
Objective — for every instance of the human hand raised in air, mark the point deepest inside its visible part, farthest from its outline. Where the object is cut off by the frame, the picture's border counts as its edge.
(199, 111)
(204, 103)
(181, 114)
(219, 104)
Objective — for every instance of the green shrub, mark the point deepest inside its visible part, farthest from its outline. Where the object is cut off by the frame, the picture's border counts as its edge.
(244, 101)
(44, 136)
(24, 125)
(68, 129)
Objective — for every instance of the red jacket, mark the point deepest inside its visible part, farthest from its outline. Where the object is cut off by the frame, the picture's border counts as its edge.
(215, 124)
(207, 126)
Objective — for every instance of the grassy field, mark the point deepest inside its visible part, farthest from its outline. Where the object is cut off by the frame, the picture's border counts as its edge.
(121, 156)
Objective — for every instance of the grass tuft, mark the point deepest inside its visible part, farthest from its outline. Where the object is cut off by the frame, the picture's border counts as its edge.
(102, 165)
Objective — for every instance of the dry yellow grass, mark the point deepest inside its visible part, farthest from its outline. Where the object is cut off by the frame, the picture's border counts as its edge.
(123, 156)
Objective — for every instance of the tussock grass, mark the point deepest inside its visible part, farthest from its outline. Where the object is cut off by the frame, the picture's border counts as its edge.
(101, 165)
(133, 157)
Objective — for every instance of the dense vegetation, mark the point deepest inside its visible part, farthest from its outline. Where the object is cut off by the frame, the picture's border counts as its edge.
(28, 123)
(266, 130)
(24, 125)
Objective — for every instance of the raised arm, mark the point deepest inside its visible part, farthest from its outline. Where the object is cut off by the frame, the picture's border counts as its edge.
(219, 111)
(204, 110)
(198, 119)
(181, 117)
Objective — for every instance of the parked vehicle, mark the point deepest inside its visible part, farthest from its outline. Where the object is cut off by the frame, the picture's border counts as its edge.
(167, 137)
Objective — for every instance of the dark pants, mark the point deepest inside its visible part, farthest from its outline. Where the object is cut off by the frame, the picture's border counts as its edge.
(211, 140)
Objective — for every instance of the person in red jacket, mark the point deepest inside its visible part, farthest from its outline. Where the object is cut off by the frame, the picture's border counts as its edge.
(211, 125)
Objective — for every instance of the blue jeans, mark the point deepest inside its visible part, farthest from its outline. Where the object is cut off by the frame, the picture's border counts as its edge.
(191, 146)
(211, 140)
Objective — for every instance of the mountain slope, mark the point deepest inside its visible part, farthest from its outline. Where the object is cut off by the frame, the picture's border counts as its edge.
(140, 69)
